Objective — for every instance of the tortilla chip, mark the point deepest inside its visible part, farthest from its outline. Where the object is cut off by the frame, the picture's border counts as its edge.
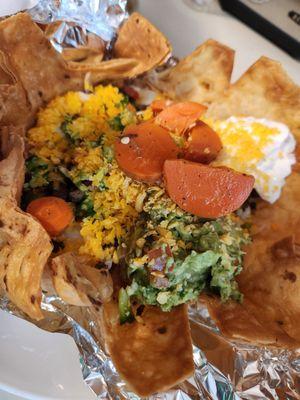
(202, 76)
(142, 41)
(38, 72)
(24, 244)
(12, 95)
(106, 70)
(264, 91)
(6, 76)
(82, 56)
(91, 53)
(152, 354)
(35, 65)
(78, 283)
(270, 280)
(34, 73)
(89, 46)
(24, 251)
(31, 57)
(12, 167)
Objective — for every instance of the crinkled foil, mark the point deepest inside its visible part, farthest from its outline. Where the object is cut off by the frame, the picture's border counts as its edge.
(223, 369)
(78, 17)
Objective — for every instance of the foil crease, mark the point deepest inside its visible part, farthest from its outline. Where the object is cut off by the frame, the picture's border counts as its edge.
(224, 369)
(78, 17)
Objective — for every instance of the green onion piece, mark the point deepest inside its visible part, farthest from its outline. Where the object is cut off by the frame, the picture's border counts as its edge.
(124, 307)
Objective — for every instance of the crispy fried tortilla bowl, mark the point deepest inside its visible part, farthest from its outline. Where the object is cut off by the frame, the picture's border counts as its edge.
(270, 280)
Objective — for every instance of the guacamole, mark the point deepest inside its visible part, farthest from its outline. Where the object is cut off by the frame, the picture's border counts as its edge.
(174, 255)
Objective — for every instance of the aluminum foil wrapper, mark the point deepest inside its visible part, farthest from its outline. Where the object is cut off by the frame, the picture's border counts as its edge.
(77, 18)
(223, 369)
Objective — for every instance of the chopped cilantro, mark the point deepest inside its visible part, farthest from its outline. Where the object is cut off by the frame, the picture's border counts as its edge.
(37, 173)
(108, 153)
(95, 143)
(85, 208)
(102, 187)
(116, 124)
(35, 163)
(66, 129)
(124, 101)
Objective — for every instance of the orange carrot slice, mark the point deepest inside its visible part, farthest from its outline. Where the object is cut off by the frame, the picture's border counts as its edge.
(205, 191)
(158, 105)
(142, 150)
(180, 116)
(203, 144)
(53, 213)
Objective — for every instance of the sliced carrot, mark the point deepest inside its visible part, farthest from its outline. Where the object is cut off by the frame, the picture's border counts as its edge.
(142, 150)
(158, 105)
(203, 144)
(53, 213)
(180, 116)
(205, 191)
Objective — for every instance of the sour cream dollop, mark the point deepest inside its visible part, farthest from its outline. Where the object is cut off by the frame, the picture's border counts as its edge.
(258, 147)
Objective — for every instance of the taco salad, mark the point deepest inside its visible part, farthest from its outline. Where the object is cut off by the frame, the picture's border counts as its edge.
(140, 186)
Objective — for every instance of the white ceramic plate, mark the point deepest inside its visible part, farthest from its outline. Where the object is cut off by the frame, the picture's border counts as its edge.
(38, 365)
(8, 7)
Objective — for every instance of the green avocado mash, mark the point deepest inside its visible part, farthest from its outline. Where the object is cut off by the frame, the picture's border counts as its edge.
(174, 255)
